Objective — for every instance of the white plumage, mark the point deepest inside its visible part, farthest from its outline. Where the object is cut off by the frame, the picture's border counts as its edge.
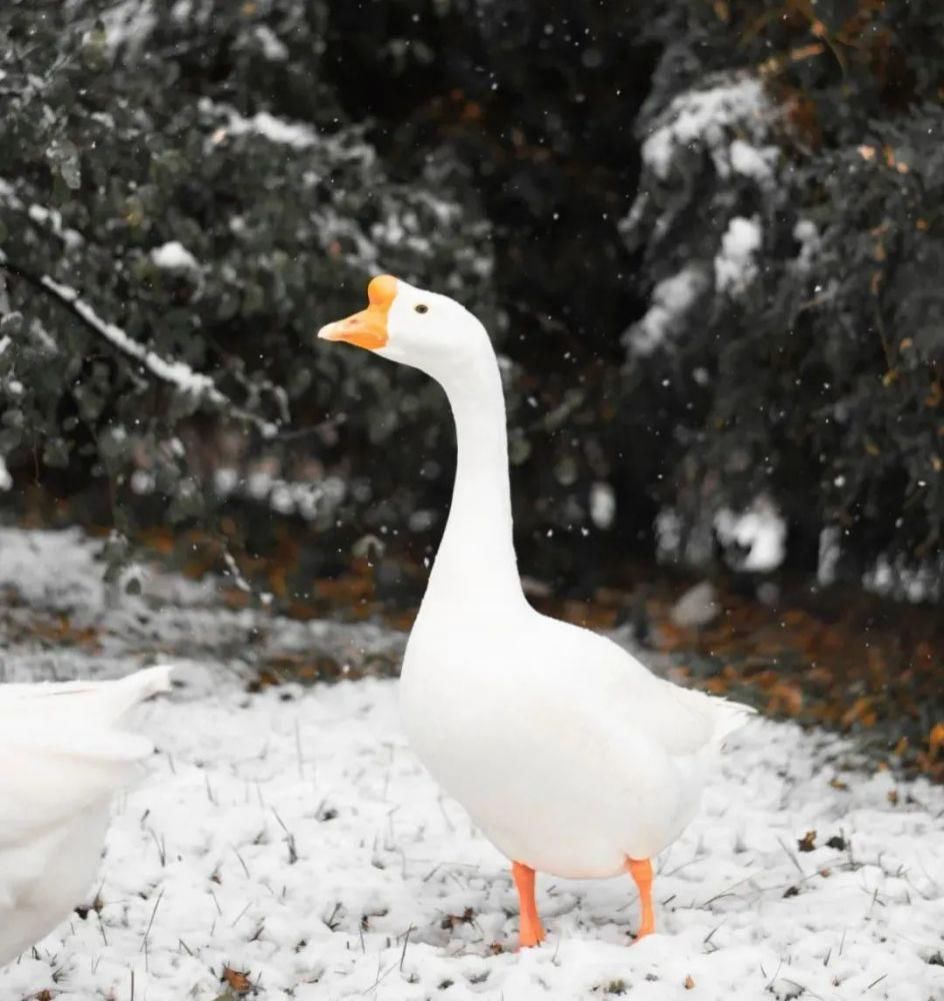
(570, 755)
(62, 756)
(567, 752)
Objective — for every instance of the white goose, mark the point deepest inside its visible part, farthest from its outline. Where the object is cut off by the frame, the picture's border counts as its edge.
(62, 757)
(569, 754)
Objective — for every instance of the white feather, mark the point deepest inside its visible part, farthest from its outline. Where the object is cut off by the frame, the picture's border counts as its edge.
(62, 757)
(567, 752)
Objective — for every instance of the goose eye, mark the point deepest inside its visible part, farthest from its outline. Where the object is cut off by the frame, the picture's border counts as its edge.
(421, 308)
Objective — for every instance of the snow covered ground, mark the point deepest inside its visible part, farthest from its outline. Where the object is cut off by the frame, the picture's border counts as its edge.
(288, 844)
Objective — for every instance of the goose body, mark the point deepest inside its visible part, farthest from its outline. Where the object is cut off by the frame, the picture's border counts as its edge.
(567, 752)
(62, 757)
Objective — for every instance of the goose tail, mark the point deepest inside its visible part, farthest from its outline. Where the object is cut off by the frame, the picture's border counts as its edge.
(729, 718)
(128, 691)
(79, 719)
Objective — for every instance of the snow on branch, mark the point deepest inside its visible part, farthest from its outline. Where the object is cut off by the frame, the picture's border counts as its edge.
(174, 373)
(181, 375)
(729, 118)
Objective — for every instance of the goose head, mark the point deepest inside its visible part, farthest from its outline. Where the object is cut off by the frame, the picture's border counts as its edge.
(409, 325)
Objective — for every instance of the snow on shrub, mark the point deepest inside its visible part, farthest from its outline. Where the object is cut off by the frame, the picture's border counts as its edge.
(170, 242)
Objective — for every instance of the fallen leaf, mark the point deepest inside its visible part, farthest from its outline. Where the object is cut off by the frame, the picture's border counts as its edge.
(808, 842)
(860, 711)
(237, 979)
(786, 698)
(451, 920)
(689, 982)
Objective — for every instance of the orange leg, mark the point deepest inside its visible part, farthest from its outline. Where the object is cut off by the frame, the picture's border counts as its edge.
(532, 931)
(641, 871)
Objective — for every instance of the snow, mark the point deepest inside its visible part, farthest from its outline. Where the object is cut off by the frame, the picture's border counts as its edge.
(735, 267)
(26, 559)
(668, 531)
(174, 256)
(807, 235)
(760, 530)
(672, 298)
(676, 542)
(830, 551)
(304, 498)
(292, 835)
(129, 23)
(904, 580)
(6, 480)
(273, 48)
(52, 220)
(278, 130)
(711, 117)
(752, 161)
(176, 372)
(602, 504)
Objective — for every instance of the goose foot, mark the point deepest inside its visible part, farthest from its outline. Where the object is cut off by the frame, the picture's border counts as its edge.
(641, 871)
(532, 931)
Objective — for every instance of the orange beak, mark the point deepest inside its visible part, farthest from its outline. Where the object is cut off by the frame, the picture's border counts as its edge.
(368, 328)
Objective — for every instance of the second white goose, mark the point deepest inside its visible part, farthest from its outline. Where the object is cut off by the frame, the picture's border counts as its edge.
(62, 757)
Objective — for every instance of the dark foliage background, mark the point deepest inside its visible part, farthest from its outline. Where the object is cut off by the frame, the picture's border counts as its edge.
(553, 167)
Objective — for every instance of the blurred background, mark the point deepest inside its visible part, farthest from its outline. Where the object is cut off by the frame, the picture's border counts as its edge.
(705, 235)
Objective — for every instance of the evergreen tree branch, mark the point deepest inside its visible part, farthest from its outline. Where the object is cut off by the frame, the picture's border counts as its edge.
(172, 373)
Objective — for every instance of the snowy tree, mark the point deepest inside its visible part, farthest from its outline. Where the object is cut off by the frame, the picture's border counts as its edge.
(788, 213)
(182, 203)
(704, 237)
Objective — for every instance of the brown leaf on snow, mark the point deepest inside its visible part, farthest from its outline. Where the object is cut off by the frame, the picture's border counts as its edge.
(808, 842)
(451, 920)
(238, 980)
(689, 982)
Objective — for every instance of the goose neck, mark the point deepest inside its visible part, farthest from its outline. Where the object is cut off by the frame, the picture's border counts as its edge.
(476, 559)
